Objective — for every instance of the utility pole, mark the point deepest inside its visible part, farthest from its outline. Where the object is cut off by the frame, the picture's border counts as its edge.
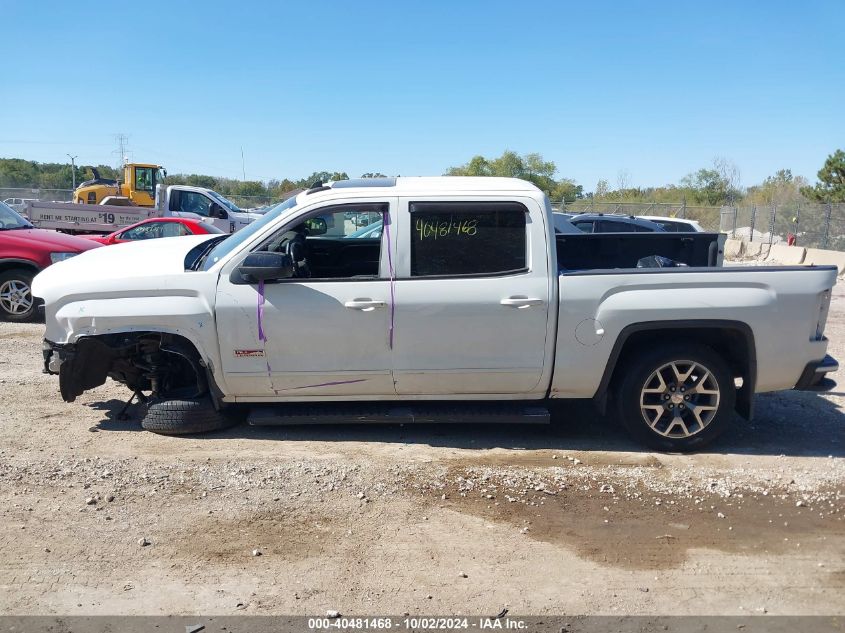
(73, 169)
(122, 158)
(243, 164)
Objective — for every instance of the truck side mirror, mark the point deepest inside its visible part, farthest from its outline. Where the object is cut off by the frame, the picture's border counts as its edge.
(216, 211)
(265, 266)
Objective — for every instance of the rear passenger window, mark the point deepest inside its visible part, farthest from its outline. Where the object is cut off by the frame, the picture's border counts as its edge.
(612, 226)
(586, 226)
(467, 238)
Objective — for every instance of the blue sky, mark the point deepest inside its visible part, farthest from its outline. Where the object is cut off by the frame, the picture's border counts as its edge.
(654, 89)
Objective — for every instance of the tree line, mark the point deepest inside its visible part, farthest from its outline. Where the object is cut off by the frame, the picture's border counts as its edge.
(714, 185)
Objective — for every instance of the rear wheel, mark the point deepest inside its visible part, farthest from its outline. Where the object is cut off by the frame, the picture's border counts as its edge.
(676, 398)
(16, 300)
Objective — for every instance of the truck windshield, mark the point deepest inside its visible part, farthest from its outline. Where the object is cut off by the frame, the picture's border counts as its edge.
(226, 203)
(236, 239)
(10, 220)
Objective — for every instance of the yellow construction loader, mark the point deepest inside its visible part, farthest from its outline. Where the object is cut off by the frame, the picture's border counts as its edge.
(138, 187)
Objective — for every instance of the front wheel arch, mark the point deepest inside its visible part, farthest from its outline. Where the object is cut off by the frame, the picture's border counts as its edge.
(126, 357)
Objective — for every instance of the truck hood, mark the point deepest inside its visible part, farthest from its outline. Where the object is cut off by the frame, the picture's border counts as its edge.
(118, 269)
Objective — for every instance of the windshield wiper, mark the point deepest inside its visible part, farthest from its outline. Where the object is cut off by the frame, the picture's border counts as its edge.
(16, 228)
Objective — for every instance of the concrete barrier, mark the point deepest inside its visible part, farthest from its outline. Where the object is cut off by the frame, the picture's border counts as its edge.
(734, 249)
(784, 254)
(819, 257)
(752, 249)
(787, 255)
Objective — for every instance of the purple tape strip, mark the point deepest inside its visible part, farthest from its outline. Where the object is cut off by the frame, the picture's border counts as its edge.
(325, 384)
(386, 222)
(261, 336)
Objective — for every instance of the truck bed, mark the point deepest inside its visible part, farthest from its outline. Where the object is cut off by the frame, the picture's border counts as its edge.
(601, 251)
(81, 218)
(762, 305)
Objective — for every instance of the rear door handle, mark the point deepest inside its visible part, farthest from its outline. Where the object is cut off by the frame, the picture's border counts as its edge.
(521, 302)
(365, 305)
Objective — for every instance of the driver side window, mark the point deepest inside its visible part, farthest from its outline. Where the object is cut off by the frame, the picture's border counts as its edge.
(193, 202)
(347, 246)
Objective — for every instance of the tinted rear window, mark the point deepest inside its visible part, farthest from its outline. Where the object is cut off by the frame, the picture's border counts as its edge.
(467, 238)
(614, 226)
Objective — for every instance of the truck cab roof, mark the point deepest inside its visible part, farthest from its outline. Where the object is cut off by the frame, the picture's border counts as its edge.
(404, 185)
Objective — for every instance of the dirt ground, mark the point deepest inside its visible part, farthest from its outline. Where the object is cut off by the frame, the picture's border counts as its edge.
(573, 518)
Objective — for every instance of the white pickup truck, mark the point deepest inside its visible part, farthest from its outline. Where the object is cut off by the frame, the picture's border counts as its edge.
(197, 203)
(466, 306)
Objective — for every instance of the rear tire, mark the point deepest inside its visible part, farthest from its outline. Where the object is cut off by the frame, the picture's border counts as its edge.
(678, 397)
(16, 301)
(185, 416)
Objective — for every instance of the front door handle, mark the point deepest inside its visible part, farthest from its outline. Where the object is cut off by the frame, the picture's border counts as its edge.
(521, 302)
(365, 305)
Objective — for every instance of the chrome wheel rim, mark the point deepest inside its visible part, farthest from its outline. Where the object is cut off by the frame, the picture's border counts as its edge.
(15, 297)
(680, 399)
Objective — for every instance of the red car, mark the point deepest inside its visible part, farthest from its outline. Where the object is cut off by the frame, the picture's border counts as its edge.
(24, 252)
(155, 227)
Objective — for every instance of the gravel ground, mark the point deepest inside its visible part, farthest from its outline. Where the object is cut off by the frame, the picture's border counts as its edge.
(99, 517)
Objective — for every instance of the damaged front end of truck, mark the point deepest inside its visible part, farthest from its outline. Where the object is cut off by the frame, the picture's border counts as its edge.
(158, 363)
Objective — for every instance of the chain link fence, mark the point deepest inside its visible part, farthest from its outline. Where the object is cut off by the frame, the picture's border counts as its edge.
(252, 202)
(11, 196)
(813, 225)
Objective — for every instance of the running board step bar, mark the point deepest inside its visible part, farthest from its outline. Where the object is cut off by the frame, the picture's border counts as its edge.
(392, 413)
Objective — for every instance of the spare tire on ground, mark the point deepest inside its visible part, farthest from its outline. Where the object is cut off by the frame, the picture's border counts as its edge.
(183, 416)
